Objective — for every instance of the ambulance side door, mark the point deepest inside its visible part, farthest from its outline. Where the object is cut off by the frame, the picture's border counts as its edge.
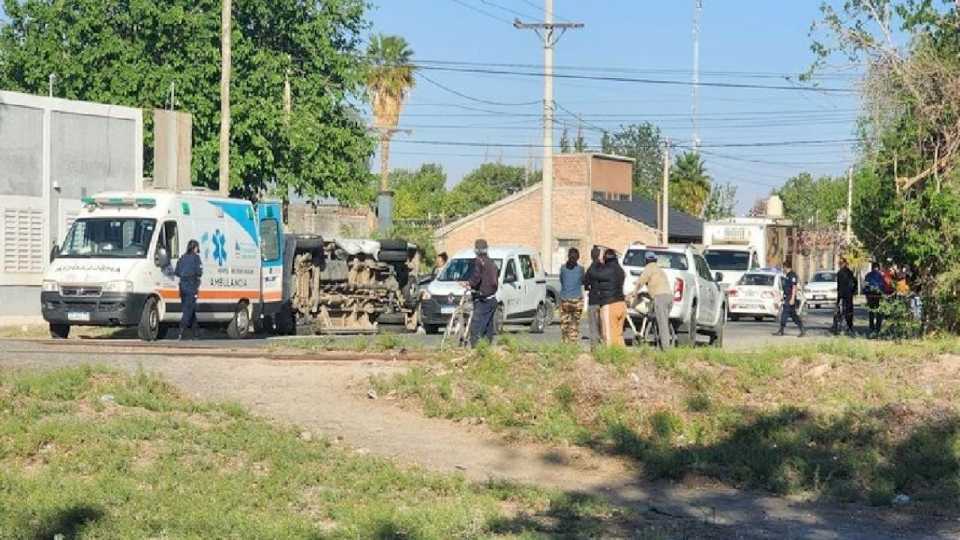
(269, 215)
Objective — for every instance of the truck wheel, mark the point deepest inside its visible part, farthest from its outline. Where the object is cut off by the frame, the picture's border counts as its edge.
(286, 322)
(717, 338)
(393, 256)
(239, 326)
(149, 327)
(393, 244)
(539, 320)
(59, 331)
(689, 337)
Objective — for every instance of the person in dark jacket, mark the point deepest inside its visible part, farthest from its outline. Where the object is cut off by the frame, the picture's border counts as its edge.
(874, 287)
(483, 282)
(846, 288)
(189, 270)
(613, 309)
(593, 308)
(790, 301)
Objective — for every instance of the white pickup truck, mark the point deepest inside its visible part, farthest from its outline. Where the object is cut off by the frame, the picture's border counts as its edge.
(699, 303)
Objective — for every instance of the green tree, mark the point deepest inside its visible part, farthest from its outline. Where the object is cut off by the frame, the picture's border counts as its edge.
(130, 52)
(421, 193)
(643, 143)
(721, 202)
(580, 143)
(907, 186)
(389, 80)
(565, 142)
(485, 185)
(814, 203)
(689, 184)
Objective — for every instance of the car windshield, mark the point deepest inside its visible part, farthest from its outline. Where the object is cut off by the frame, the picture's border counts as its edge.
(460, 269)
(761, 280)
(728, 260)
(665, 259)
(824, 277)
(115, 238)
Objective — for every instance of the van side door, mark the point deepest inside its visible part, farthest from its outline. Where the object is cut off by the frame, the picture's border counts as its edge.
(269, 216)
(532, 284)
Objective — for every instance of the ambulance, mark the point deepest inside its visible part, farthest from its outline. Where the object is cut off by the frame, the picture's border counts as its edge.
(115, 266)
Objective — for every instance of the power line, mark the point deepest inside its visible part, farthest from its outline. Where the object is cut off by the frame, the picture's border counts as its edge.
(762, 144)
(540, 8)
(639, 80)
(504, 8)
(476, 99)
(481, 11)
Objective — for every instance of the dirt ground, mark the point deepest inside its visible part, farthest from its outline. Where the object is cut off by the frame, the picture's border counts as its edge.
(332, 399)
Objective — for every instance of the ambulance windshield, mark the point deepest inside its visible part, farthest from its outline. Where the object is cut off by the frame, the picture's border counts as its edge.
(114, 238)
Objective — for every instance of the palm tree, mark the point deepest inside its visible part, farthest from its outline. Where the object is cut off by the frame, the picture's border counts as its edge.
(389, 80)
(689, 184)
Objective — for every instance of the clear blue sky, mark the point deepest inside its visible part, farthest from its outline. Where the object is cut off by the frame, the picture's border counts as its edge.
(743, 41)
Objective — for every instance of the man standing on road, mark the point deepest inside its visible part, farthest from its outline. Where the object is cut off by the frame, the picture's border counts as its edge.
(571, 297)
(483, 282)
(790, 303)
(189, 270)
(874, 289)
(658, 287)
(593, 305)
(846, 288)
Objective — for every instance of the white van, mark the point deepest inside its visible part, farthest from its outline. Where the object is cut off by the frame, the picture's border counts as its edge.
(115, 266)
(521, 295)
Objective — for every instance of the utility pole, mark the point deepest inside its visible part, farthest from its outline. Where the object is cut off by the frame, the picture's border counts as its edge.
(550, 33)
(226, 14)
(849, 235)
(697, 10)
(665, 197)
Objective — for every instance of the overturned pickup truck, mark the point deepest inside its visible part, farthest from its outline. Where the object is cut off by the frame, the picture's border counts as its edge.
(348, 285)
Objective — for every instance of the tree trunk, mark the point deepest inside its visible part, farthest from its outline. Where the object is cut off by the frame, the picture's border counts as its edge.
(384, 162)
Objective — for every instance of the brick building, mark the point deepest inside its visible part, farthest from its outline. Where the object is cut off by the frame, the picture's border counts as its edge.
(592, 205)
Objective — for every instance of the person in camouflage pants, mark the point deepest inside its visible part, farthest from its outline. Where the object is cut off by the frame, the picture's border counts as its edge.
(571, 297)
(570, 313)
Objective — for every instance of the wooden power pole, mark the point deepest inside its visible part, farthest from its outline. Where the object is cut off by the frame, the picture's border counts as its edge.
(548, 32)
(225, 65)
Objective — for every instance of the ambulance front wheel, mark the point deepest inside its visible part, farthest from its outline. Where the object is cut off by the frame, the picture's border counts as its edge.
(239, 326)
(149, 327)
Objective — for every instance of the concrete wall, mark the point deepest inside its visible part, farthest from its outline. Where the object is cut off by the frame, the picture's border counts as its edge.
(330, 221)
(54, 152)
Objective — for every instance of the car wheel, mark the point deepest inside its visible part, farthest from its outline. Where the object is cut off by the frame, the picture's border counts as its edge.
(689, 337)
(239, 326)
(149, 327)
(717, 338)
(498, 319)
(539, 320)
(59, 331)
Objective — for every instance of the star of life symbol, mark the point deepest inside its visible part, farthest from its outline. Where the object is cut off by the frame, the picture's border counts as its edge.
(219, 247)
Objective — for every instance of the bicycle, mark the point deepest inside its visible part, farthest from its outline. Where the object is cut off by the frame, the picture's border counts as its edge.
(457, 330)
(649, 332)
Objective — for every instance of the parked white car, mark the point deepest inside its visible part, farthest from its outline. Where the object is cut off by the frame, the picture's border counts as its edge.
(521, 296)
(699, 305)
(758, 294)
(821, 290)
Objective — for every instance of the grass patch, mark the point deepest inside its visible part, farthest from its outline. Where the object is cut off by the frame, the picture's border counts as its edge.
(378, 343)
(842, 419)
(90, 453)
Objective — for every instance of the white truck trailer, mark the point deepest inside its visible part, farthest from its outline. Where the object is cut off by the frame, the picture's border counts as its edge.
(735, 246)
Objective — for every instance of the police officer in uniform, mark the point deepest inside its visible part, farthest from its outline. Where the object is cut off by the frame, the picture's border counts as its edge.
(484, 283)
(790, 301)
(189, 270)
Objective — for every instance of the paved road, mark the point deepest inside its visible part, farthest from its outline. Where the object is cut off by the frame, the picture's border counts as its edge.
(743, 334)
